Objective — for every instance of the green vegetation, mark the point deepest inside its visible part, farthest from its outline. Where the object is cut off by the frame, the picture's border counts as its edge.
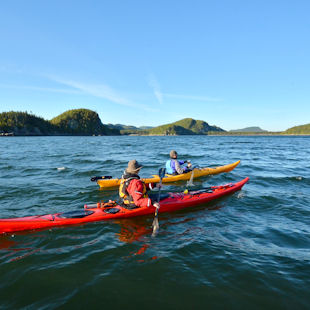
(249, 129)
(87, 122)
(186, 126)
(82, 122)
(22, 123)
(242, 133)
(73, 122)
(298, 130)
(134, 132)
(130, 130)
(196, 126)
(170, 130)
(122, 127)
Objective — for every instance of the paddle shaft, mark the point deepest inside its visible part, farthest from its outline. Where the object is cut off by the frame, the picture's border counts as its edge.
(192, 176)
(161, 174)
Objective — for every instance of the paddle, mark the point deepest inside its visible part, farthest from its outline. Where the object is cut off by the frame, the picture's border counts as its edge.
(94, 179)
(190, 182)
(155, 223)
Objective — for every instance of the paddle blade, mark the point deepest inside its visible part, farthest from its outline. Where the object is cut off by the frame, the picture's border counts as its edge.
(161, 172)
(155, 226)
(190, 182)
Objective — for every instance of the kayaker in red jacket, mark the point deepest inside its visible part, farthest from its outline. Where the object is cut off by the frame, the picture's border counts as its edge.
(133, 191)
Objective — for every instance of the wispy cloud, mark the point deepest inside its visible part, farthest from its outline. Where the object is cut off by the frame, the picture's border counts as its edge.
(97, 90)
(44, 89)
(196, 98)
(101, 91)
(154, 84)
(156, 88)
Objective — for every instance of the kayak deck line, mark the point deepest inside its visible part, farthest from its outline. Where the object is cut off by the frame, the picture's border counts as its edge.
(196, 172)
(95, 212)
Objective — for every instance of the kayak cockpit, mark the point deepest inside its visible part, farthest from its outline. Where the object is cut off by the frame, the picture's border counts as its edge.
(75, 214)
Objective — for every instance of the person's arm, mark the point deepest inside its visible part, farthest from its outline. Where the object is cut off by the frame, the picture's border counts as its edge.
(135, 189)
(151, 186)
(178, 167)
(188, 166)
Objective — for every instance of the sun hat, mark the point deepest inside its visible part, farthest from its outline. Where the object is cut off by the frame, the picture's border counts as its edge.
(173, 154)
(133, 166)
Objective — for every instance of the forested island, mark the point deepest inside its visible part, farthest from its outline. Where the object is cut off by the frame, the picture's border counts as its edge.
(298, 130)
(81, 122)
(84, 122)
(186, 126)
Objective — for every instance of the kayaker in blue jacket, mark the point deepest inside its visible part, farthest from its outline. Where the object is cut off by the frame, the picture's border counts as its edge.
(174, 166)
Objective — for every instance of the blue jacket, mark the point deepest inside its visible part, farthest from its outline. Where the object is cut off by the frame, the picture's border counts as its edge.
(173, 166)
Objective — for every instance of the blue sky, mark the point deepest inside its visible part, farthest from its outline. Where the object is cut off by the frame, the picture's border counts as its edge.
(231, 63)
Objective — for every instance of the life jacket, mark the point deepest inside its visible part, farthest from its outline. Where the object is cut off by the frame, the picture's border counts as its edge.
(123, 193)
(169, 169)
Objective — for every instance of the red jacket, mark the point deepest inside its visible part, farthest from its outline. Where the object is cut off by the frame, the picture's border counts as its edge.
(137, 190)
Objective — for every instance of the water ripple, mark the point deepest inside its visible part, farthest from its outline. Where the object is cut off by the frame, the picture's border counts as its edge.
(249, 250)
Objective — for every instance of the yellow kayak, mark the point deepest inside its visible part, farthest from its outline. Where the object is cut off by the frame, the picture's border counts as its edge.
(197, 173)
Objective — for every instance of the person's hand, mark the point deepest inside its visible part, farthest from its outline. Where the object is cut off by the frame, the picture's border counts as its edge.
(189, 165)
(156, 205)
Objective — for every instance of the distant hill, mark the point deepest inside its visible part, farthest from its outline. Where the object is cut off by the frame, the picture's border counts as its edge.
(145, 127)
(249, 129)
(87, 122)
(170, 130)
(122, 127)
(127, 127)
(73, 122)
(25, 124)
(82, 122)
(198, 127)
(186, 126)
(298, 130)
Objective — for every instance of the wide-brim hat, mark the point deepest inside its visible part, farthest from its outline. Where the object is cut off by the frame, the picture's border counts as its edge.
(173, 154)
(133, 166)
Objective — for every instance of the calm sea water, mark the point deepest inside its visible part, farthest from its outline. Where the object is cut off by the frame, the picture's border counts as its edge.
(250, 250)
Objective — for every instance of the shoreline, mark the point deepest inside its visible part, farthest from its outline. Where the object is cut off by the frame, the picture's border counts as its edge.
(159, 135)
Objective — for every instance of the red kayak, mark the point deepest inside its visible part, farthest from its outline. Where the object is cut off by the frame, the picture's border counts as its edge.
(107, 211)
